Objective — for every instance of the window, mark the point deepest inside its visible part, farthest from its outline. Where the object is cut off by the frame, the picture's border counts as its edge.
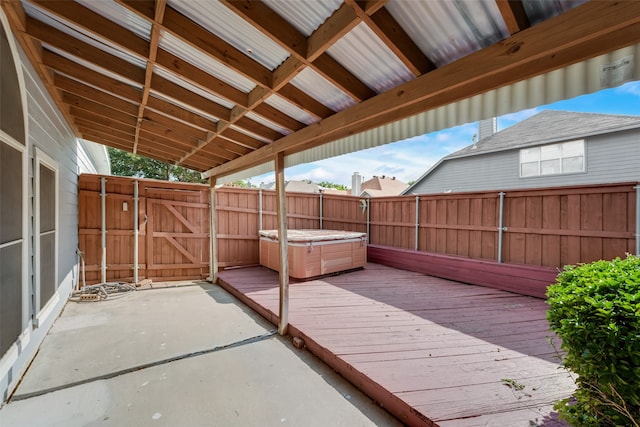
(46, 227)
(12, 242)
(554, 159)
(13, 198)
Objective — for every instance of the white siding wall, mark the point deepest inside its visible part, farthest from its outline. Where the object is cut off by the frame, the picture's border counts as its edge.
(49, 132)
(609, 158)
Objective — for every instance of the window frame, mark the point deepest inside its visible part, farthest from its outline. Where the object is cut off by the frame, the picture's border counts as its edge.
(539, 160)
(40, 158)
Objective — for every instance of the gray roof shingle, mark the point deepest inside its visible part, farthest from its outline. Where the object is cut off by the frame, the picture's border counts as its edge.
(549, 126)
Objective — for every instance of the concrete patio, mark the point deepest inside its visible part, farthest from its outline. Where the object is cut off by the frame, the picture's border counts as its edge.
(189, 355)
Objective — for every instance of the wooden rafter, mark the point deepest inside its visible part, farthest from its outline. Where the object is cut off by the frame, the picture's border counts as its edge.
(189, 115)
(514, 15)
(160, 6)
(568, 38)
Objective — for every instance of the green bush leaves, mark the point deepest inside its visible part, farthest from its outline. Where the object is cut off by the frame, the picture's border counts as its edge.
(595, 310)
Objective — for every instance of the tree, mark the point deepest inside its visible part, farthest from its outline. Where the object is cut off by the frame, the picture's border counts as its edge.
(124, 163)
(326, 184)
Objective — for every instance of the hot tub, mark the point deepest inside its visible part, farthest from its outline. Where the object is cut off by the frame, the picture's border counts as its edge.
(315, 252)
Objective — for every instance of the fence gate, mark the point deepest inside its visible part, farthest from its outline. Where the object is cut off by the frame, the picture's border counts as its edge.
(177, 233)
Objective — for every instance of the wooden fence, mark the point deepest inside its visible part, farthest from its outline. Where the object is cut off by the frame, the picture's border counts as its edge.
(173, 238)
(547, 227)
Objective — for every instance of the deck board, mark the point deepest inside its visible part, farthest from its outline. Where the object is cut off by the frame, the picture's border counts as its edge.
(432, 351)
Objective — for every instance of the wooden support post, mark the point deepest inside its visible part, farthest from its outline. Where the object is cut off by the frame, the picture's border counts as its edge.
(136, 232)
(103, 229)
(213, 241)
(283, 244)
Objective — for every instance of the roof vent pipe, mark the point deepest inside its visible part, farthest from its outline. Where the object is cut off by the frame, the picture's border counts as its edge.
(356, 180)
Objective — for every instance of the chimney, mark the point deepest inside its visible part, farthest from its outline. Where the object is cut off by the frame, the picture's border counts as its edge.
(356, 180)
(487, 128)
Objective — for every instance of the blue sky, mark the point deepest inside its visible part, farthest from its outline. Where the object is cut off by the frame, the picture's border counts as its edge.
(407, 160)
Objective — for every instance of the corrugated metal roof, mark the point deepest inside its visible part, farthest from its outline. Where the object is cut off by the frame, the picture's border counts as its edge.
(92, 66)
(221, 21)
(251, 134)
(365, 42)
(179, 48)
(540, 10)
(448, 30)
(268, 123)
(290, 110)
(305, 15)
(185, 106)
(191, 87)
(363, 53)
(121, 16)
(319, 88)
(78, 32)
(584, 77)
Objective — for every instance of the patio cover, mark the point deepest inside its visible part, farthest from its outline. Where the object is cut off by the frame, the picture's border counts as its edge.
(221, 87)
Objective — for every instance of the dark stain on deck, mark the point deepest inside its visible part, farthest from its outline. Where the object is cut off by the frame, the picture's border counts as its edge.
(430, 350)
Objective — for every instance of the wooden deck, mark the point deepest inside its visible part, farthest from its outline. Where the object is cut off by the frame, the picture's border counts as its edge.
(430, 350)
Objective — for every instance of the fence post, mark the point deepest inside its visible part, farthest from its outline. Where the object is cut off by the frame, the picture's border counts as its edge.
(213, 242)
(103, 229)
(501, 228)
(320, 209)
(260, 210)
(368, 199)
(136, 231)
(637, 187)
(417, 220)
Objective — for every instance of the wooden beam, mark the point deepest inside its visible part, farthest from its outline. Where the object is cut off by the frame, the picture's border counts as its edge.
(514, 15)
(258, 128)
(270, 23)
(177, 92)
(85, 51)
(173, 124)
(101, 114)
(96, 24)
(337, 25)
(241, 138)
(90, 77)
(396, 39)
(203, 40)
(180, 113)
(108, 122)
(179, 139)
(584, 32)
(158, 15)
(277, 29)
(278, 117)
(333, 71)
(283, 245)
(200, 78)
(304, 101)
(73, 87)
(106, 130)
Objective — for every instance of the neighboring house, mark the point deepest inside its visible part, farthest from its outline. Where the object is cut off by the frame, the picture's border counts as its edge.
(552, 148)
(382, 186)
(40, 160)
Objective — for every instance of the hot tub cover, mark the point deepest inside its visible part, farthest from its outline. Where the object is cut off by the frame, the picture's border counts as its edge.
(314, 235)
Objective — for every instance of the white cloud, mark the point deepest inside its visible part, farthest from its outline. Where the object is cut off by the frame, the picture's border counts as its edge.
(631, 88)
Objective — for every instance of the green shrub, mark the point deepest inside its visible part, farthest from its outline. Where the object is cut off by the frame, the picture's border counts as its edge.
(595, 310)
